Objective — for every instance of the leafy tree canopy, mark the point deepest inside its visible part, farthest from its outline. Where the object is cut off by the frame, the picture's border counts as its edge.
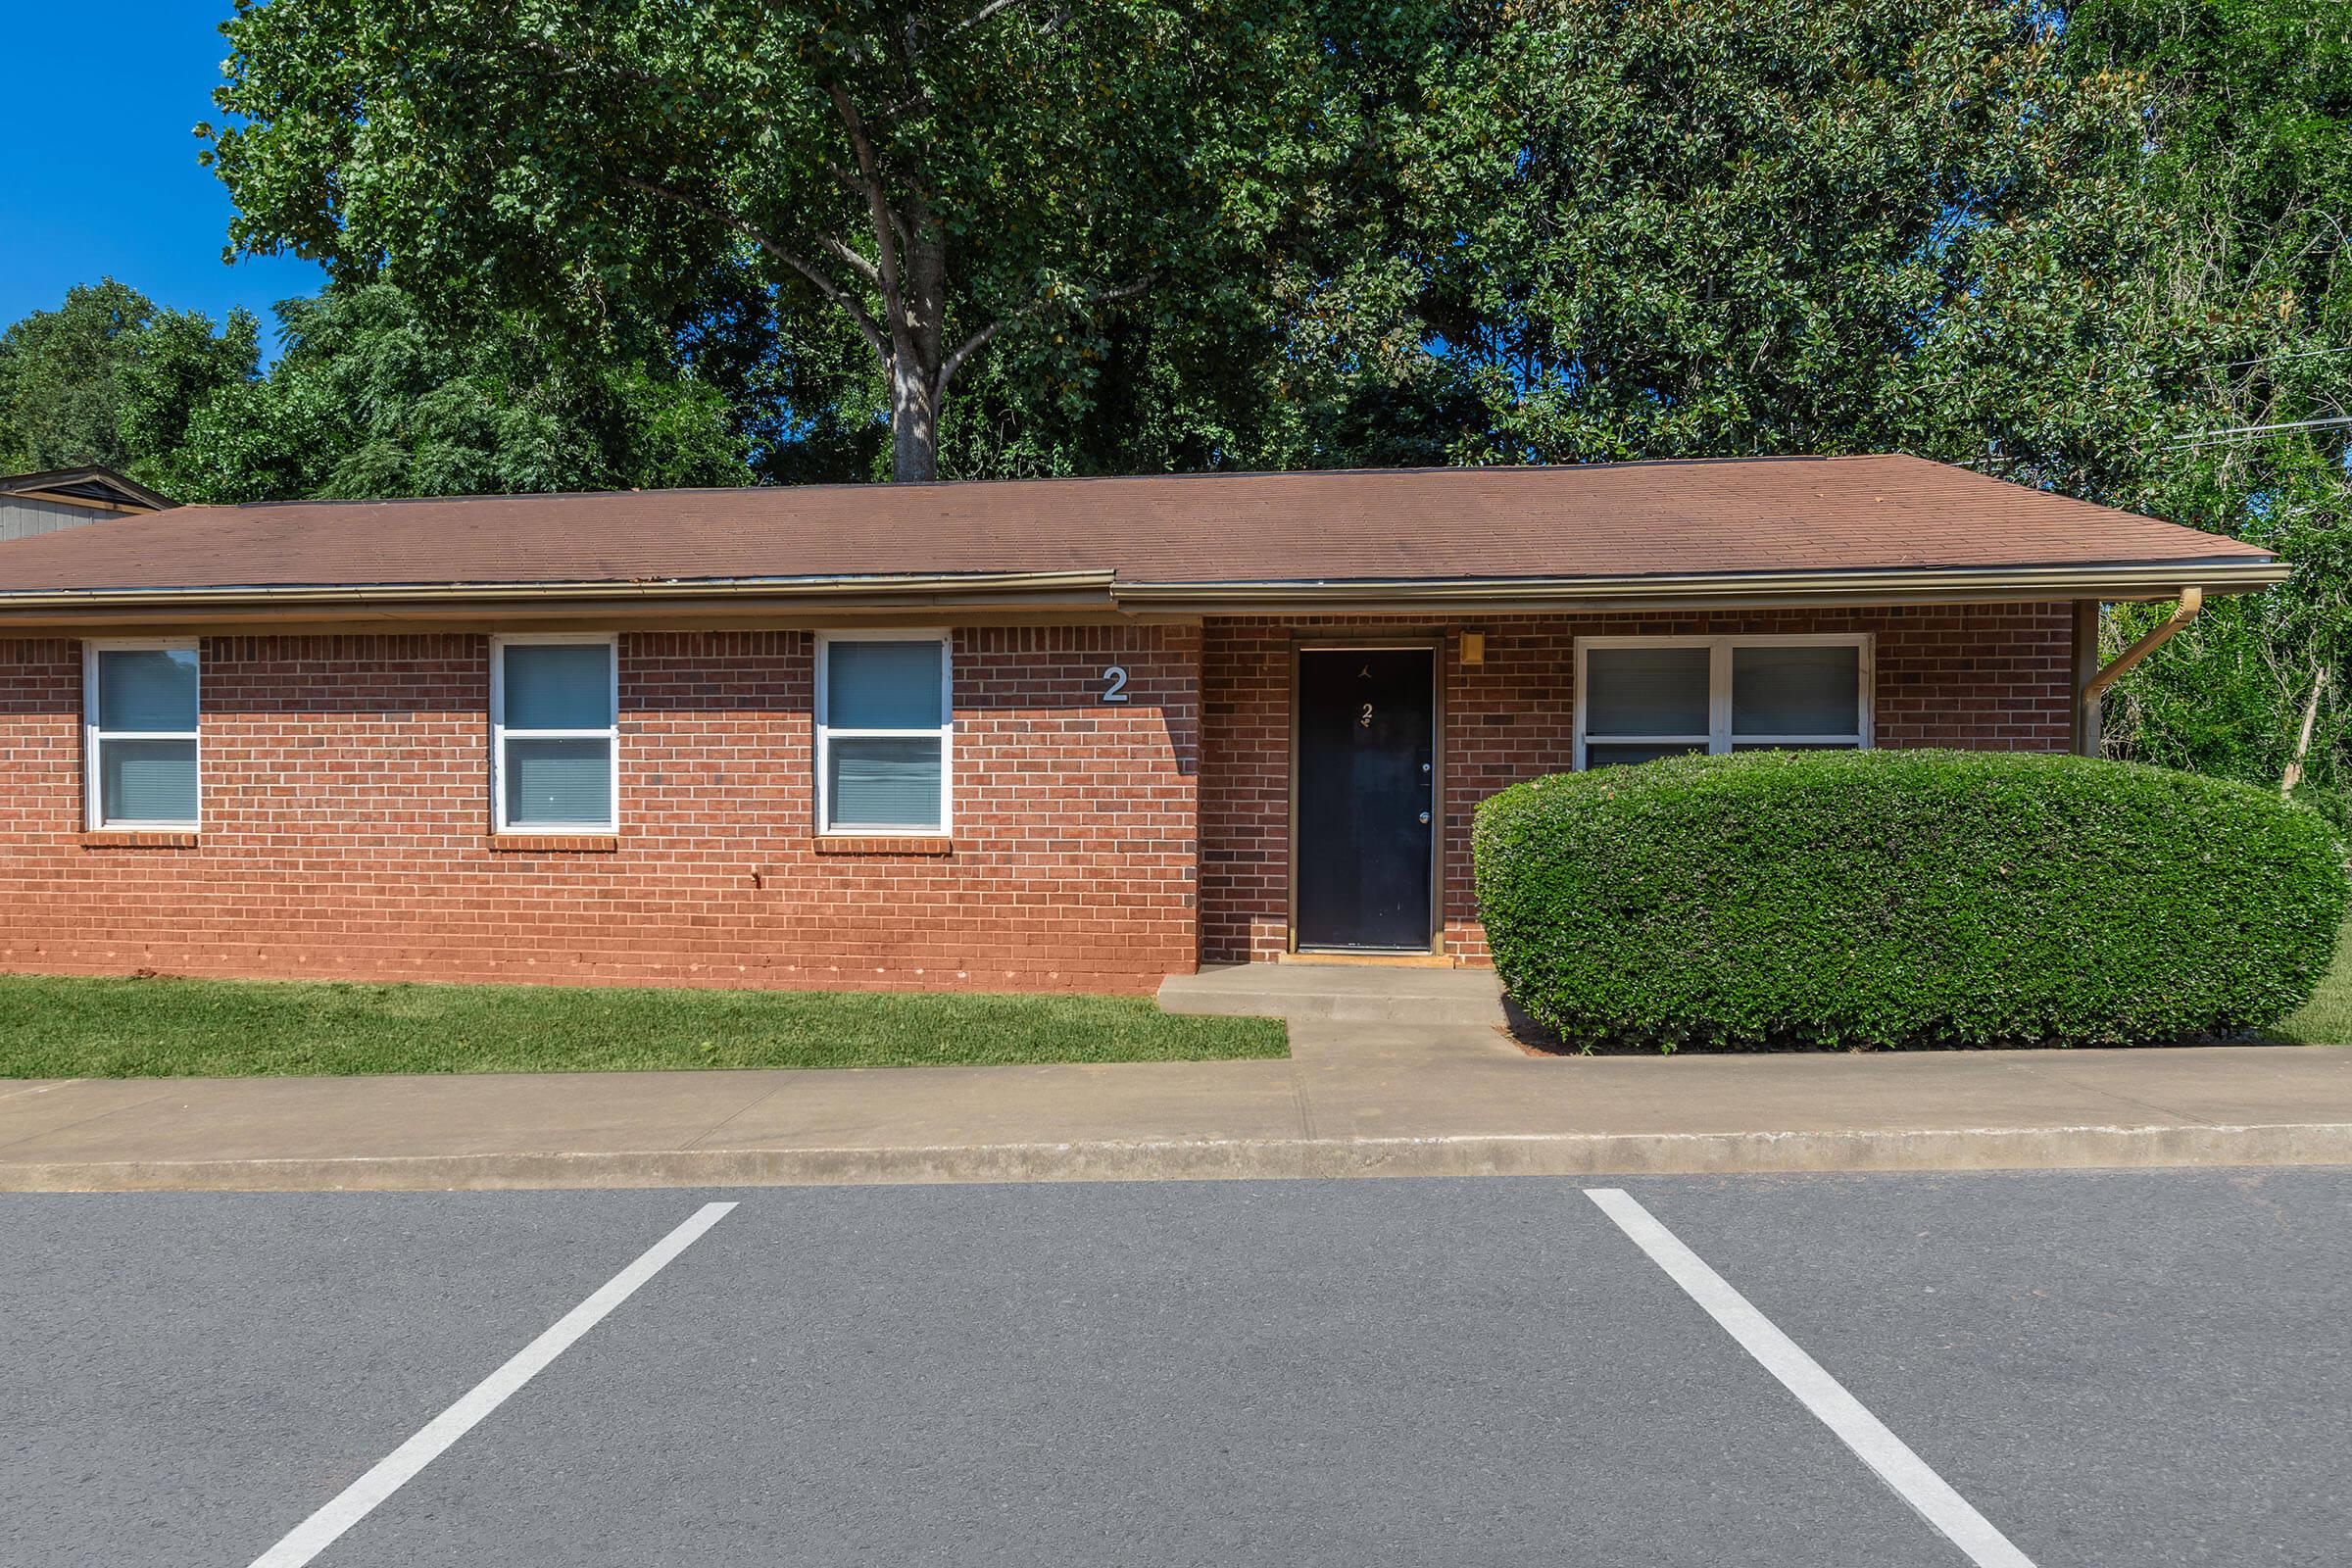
(932, 176)
(109, 379)
(2246, 315)
(372, 394)
(376, 395)
(1662, 229)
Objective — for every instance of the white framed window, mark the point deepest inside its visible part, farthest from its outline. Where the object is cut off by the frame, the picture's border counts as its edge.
(555, 734)
(885, 733)
(1641, 698)
(140, 751)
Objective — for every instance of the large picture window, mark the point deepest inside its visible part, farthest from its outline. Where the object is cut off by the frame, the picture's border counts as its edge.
(555, 739)
(884, 733)
(1643, 697)
(139, 716)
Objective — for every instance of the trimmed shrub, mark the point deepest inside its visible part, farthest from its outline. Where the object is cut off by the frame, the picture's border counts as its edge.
(1899, 899)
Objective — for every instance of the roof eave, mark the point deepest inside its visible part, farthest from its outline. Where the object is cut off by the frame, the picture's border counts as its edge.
(1098, 590)
(1051, 589)
(1711, 591)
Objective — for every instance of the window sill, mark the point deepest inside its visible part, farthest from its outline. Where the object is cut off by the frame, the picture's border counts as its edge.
(556, 842)
(128, 838)
(884, 844)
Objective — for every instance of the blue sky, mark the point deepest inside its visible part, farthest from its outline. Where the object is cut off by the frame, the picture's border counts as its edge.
(100, 174)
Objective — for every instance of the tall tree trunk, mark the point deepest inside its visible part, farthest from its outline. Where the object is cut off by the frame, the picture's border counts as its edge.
(907, 274)
(913, 422)
(2311, 717)
(916, 388)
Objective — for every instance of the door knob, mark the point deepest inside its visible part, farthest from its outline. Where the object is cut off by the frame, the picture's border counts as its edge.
(1425, 820)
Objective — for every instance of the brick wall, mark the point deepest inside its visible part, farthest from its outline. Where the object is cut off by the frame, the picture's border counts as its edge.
(346, 800)
(1991, 677)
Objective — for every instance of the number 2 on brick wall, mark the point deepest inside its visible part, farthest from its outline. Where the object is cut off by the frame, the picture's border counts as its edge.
(1114, 684)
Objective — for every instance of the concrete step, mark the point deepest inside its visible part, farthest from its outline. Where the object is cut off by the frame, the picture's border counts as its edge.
(1340, 992)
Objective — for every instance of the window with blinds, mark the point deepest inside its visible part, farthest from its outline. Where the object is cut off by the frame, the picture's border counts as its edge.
(1643, 698)
(885, 725)
(139, 717)
(554, 735)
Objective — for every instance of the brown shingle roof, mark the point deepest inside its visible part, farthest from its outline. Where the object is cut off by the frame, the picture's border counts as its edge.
(1674, 518)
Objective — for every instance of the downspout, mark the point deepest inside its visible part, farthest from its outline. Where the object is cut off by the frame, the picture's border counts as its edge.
(2088, 740)
(2193, 600)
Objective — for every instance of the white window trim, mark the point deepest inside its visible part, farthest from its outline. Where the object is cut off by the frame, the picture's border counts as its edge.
(826, 733)
(499, 733)
(1718, 738)
(93, 738)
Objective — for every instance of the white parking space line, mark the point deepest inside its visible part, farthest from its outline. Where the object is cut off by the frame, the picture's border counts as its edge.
(1844, 1414)
(397, 1468)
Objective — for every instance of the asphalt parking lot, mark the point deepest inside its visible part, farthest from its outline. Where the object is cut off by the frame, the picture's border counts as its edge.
(2131, 1368)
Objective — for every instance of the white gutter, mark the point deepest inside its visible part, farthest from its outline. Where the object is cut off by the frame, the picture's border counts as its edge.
(1464, 596)
(2115, 581)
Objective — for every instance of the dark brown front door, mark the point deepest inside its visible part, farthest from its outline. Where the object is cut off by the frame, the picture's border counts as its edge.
(1366, 798)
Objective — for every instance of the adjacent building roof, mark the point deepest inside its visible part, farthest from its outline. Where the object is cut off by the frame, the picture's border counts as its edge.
(1861, 529)
(97, 487)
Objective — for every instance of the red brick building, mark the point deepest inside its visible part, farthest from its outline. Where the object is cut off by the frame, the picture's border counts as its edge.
(1071, 734)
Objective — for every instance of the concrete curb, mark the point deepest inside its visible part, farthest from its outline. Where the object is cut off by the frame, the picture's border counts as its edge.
(1233, 1160)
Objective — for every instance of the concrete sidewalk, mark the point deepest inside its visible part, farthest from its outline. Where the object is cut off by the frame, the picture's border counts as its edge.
(1356, 1098)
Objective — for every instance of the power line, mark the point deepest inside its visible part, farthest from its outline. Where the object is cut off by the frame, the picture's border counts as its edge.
(2210, 365)
(2206, 438)
(2273, 359)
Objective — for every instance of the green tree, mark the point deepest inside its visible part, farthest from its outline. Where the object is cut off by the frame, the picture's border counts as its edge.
(1329, 346)
(377, 394)
(1659, 228)
(936, 175)
(109, 379)
(2247, 322)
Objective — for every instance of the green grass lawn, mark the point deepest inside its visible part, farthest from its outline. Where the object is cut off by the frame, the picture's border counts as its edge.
(2327, 1019)
(83, 1028)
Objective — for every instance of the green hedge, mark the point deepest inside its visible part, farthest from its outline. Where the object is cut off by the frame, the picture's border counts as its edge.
(1903, 899)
